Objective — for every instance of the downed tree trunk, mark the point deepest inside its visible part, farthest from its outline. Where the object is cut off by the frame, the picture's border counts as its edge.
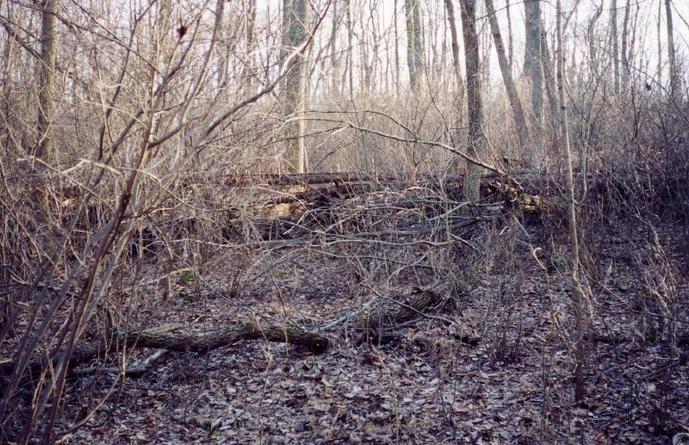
(216, 338)
(169, 338)
(385, 313)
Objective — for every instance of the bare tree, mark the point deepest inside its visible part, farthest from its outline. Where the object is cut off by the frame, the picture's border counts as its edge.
(674, 77)
(510, 39)
(350, 47)
(249, 24)
(614, 47)
(396, 36)
(46, 82)
(457, 71)
(334, 56)
(624, 50)
(476, 138)
(579, 297)
(591, 39)
(533, 59)
(294, 24)
(515, 102)
(415, 50)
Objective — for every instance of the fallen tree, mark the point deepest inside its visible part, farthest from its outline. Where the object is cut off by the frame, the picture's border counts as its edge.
(382, 313)
(215, 338)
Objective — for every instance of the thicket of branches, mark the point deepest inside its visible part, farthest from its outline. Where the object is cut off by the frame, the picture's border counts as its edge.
(134, 136)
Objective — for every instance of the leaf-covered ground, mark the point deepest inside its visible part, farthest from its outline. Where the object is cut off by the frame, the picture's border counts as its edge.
(495, 367)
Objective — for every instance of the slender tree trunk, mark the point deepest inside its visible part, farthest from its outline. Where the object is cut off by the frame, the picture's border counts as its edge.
(456, 64)
(590, 36)
(249, 24)
(631, 57)
(549, 77)
(614, 45)
(515, 102)
(579, 297)
(454, 43)
(46, 82)
(476, 139)
(510, 39)
(624, 53)
(415, 52)
(674, 77)
(350, 48)
(533, 59)
(659, 68)
(397, 48)
(334, 57)
(295, 15)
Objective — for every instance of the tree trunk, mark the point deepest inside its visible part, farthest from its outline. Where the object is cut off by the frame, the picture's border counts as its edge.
(249, 24)
(659, 68)
(334, 57)
(455, 45)
(549, 78)
(415, 52)
(476, 140)
(350, 48)
(674, 77)
(456, 67)
(624, 53)
(46, 82)
(515, 102)
(510, 38)
(614, 45)
(579, 298)
(533, 59)
(294, 85)
(591, 38)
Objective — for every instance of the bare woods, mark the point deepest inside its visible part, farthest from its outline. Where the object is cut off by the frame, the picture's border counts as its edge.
(452, 195)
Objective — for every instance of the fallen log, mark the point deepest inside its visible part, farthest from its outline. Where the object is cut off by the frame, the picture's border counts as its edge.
(212, 339)
(382, 314)
(169, 338)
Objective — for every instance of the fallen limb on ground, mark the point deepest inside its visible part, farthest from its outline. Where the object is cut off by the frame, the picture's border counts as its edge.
(384, 313)
(226, 335)
(168, 337)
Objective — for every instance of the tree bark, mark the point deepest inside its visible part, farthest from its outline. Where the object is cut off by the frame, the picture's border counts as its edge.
(590, 37)
(510, 38)
(476, 139)
(515, 102)
(295, 16)
(674, 77)
(350, 48)
(249, 24)
(46, 82)
(549, 79)
(624, 53)
(216, 338)
(334, 57)
(614, 45)
(579, 298)
(454, 43)
(415, 51)
(533, 59)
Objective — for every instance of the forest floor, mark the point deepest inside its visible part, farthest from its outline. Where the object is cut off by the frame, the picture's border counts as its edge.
(496, 367)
